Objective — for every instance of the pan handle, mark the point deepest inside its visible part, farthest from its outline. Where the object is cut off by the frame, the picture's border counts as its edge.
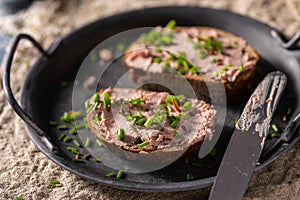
(283, 42)
(8, 91)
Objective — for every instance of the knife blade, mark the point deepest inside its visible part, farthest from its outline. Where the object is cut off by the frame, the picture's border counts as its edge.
(248, 138)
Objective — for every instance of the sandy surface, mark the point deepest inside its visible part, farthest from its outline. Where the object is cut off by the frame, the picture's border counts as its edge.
(26, 172)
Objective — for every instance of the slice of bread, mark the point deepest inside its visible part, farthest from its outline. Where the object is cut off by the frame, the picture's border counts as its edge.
(155, 125)
(206, 57)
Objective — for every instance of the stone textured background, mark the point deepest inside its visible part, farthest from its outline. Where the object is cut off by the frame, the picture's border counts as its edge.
(26, 172)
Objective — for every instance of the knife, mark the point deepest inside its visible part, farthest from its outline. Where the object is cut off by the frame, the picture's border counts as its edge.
(247, 140)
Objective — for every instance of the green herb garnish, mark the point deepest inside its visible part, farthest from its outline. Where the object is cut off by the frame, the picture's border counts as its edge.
(274, 135)
(96, 98)
(77, 160)
(157, 60)
(149, 122)
(87, 142)
(171, 24)
(137, 102)
(19, 198)
(145, 143)
(73, 131)
(54, 182)
(216, 74)
(241, 68)
(189, 177)
(73, 150)
(214, 60)
(67, 138)
(61, 137)
(186, 106)
(195, 164)
(106, 100)
(119, 174)
(289, 111)
(77, 143)
(275, 128)
(99, 143)
(213, 152)
(62, 127)
(121, 134)
(69, 117)
(52, 123)
(231, 46)
(111, 174)
(212, 44)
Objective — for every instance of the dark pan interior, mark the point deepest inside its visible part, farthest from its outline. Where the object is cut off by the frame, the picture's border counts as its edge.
(44, 99)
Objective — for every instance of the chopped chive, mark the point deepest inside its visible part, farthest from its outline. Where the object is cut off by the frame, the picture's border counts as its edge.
(275, 128)
(99, 143)
(67, 138)
(52, 123)
(77, 143)
(119, 175)
(195, 164)
(96, 97)
(174, 123)
(175, 132)
(73, 150)
(61, 137)
(77, 160)
(171, 24)
(54, 182)
(241, 68)
(19, 198)
(274, 135)
(182, 54)
(141, 121)
(87, 142)
(214, 60)
(62, 127)
(183, 114)
(186, 106)
(213, 152)
(93, 56)
(121, 46)
(145, 143)
(111, 174)
(216, 74)
(157, 60)
(289, 111)
(133, 128)
(69, 117)
(79, 126)
(106, 100)
(73, 131)
(96, 160)
(87, 104)
(149, 122)
(189, 177)
(64, 84)
(236, 120)
(225, 69)
(231, 46)
(95, 106)
(121, 134)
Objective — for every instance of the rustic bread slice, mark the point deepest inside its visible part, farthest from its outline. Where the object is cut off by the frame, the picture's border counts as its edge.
(213, 58)
(155, 125)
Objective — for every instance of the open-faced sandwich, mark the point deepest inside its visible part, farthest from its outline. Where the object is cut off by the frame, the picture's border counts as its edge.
(206, 57)
(155, 124)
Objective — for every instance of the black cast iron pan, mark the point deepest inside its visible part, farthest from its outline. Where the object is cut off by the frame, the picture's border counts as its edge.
(43, 99)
